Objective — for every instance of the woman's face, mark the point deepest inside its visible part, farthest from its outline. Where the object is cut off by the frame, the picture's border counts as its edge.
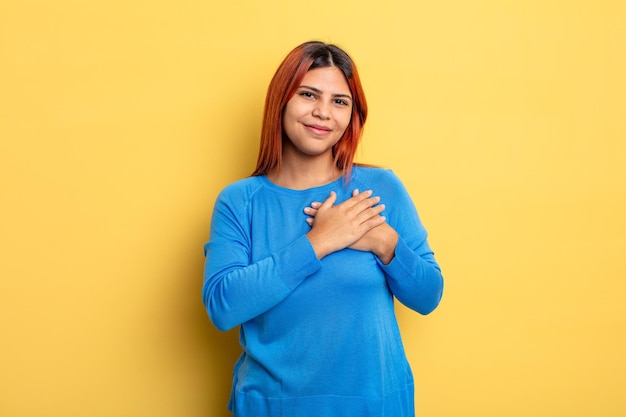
(318, 114)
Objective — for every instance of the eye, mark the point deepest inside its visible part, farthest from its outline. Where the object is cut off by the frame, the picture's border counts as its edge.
(342, 102)
(307, 94)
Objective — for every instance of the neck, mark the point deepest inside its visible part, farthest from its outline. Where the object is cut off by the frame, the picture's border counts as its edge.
(304, 173)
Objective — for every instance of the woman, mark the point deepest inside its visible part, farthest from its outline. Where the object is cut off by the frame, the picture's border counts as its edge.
(308, 253)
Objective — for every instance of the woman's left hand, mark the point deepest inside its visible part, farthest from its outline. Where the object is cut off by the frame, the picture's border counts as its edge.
(381, 240)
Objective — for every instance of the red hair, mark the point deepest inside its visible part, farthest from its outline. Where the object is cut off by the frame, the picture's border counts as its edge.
(283, 86)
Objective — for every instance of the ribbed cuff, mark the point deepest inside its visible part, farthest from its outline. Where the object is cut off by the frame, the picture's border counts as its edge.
(296, 262)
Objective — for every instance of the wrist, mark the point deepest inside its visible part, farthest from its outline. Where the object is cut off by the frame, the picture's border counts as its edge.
(386, 249)
(318, 245)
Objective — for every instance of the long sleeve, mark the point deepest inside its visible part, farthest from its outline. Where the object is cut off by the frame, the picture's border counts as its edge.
(236, 290)
(414, 276)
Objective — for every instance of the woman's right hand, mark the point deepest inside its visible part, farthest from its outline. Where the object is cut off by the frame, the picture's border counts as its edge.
(338, 226)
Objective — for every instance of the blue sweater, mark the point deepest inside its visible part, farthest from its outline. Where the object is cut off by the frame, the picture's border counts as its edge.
(319, 337)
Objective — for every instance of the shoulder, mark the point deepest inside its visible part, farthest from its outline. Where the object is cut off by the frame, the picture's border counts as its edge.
(240, 192)
(377, 178)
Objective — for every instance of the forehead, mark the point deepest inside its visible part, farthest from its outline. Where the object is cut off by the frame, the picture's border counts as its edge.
(326, 79)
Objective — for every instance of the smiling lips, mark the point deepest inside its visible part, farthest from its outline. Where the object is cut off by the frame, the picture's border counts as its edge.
(318, 130)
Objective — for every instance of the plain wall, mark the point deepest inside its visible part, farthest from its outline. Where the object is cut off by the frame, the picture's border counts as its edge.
(120, 121)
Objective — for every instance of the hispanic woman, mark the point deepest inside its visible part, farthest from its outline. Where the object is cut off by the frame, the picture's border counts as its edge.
(309, 253)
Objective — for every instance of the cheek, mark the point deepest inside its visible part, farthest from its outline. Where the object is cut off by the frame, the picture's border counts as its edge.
(287, 111)
(289, 117)
(293, 111)
(345, 121)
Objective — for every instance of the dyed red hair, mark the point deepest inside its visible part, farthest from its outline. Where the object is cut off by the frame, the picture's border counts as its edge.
(283, 86)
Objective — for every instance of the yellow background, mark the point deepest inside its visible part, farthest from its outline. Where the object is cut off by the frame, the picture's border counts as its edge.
(121, 120)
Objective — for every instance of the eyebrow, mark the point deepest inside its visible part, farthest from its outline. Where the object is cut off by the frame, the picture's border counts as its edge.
(317, 90)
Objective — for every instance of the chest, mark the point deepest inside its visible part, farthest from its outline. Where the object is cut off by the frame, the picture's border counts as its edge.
(278, 220)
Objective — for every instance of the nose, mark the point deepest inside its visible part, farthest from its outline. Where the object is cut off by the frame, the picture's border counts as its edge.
(322, 110)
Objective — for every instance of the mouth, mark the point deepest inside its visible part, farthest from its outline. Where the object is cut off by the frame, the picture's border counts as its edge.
(318, 129)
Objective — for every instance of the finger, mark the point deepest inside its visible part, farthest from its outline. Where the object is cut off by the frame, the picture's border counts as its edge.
(365, 204)
(355, 192)
(330, 201)
(310, 211)
(370, 213)
(309, 221)
(353, 201)
(373, 222)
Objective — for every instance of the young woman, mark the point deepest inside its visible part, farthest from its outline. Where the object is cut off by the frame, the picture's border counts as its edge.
(308, 254)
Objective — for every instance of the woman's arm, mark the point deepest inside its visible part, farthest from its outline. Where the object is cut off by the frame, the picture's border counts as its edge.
(413, 274)
(236, 290)
(414, 277)
(402, 249)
